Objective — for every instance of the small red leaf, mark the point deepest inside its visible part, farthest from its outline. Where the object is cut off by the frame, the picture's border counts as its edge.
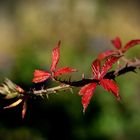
(108, 65)
(110, 86)
(63, 71)
(117, 43)
(106, 54)
(24, 109)
(55, 57)
(130, 44)
(87, 92)
(96, 68)
(19, 89)
(40, 76)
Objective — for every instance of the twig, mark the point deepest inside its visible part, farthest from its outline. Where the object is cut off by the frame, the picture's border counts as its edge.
(67, 85)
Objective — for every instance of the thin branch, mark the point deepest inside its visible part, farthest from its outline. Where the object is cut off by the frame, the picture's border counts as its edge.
(9, 89)
(48, 91)
(130, 67)
(67, 85)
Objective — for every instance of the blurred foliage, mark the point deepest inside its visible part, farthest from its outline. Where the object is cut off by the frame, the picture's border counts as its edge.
(29, 29)
(20, 133)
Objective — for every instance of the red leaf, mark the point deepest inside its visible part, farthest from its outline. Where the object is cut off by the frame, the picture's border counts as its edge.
(130, 44)
(55, 57)
(110, 86)
(108, 65)
(87, 92)
(64, 71)
(96, 68)
(106, 54)
(117, 43)
(24, 109)
(40, 76)
(19, 89)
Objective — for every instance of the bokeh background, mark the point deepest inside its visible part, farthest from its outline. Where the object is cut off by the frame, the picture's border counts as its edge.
(29, 29)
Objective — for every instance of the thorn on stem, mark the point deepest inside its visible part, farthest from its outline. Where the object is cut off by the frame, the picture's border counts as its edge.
(83, 76)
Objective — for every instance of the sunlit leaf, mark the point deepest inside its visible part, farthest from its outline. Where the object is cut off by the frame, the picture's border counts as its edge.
(87, 92)
(117, 43)
(11, 95)
(40, 76)
(14, 104)
(108, 65)
(9, 89)
(19, 89)
(106, 54)
(96, 68)
(130, 44)
(55, 57)
(64, 70)
(110, 86)
(24, 109)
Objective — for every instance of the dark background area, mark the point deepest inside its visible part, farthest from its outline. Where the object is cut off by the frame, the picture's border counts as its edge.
(29, 29)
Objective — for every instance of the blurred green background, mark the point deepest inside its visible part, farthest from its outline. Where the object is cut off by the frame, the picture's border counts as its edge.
(29, 29)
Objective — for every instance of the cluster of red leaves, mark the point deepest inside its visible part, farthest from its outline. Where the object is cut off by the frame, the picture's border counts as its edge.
(120, 50)
(98, 73)
(112, 57)
(40, 75)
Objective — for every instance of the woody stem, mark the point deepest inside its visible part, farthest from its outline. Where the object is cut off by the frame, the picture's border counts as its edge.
(48, 91)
